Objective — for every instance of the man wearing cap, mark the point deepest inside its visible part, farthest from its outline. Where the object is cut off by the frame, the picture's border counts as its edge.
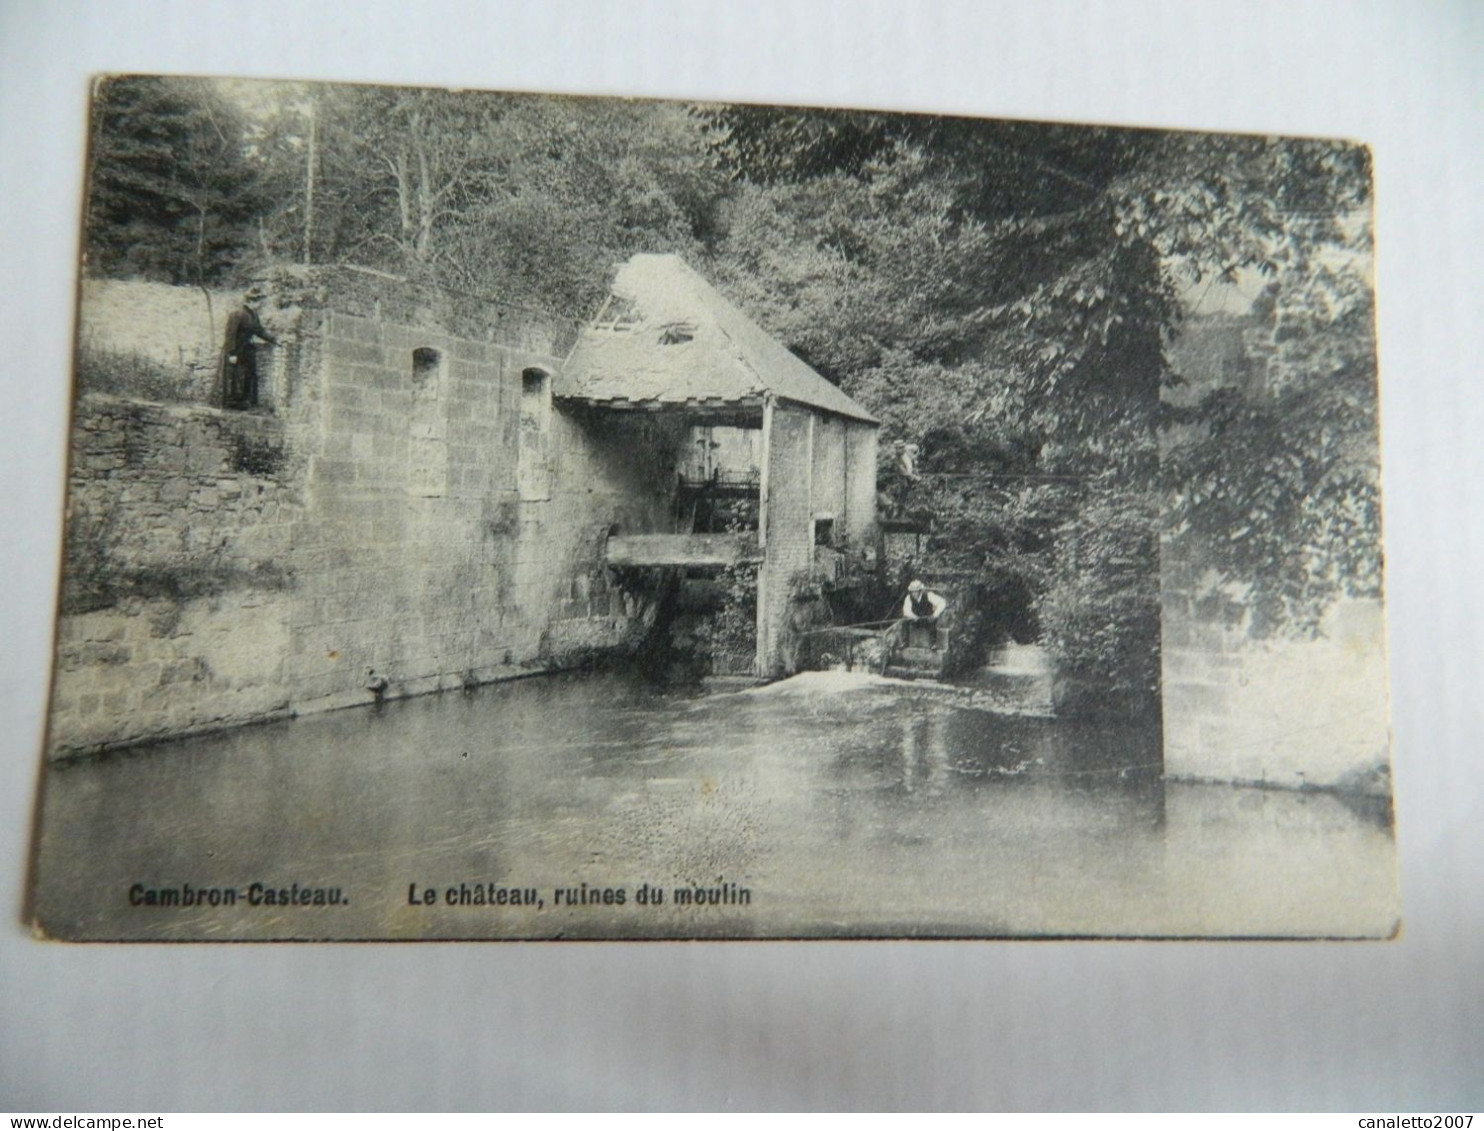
(922, 608)
(239, 353)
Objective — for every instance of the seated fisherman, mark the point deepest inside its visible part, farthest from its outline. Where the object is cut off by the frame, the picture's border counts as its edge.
(921, 610)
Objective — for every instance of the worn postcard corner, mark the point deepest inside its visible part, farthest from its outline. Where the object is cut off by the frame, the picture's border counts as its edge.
(500, 516)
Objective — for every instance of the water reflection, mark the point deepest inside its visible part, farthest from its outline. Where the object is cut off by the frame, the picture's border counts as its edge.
(841, 807)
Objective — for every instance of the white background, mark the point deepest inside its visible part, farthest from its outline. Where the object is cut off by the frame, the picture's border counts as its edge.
(984, 1025)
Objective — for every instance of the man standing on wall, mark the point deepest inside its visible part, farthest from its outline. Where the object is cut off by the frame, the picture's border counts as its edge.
(239, 352)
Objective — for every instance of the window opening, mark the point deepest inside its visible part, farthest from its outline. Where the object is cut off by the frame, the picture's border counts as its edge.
(533, 465)
(427, 427)
(425, 364)
(533, 399)
(618, 314)
(677, 333)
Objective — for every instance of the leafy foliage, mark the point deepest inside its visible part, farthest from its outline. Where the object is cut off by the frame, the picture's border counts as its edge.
(100, 370)
(530, 198)
(1004, 295)
(728, 638)
(1101, 613)
(172, 190)
(1279, 492)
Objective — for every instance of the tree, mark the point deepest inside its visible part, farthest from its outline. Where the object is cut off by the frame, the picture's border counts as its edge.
(171, 191)
(526, 199)
(965, 282)
(1276, 491)
(991, 287)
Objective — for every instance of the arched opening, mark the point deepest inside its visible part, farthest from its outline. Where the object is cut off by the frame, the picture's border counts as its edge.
(535, 399)
(427, 427)
(535, 421)
(426, 362)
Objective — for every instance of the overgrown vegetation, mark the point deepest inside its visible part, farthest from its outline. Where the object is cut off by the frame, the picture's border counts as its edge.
(1280, 494)
(174, 190)
(253, 456)
(126, 374)
(100, 574)
(1100, 608)
(727, 639)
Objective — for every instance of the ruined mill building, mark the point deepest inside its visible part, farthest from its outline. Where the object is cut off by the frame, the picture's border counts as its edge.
(438, 491)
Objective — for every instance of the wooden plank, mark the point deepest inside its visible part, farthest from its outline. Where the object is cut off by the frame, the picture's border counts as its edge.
(744, 408)
(718, 550)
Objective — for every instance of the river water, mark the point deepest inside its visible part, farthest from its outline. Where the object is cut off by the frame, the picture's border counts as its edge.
(826, 805)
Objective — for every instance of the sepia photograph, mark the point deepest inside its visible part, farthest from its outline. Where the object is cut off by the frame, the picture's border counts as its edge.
(518, 516)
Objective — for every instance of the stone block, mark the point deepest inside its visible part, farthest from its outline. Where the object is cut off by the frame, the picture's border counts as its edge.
(1192, 698)
(353, 329)
(389, 447)
(334, 471)
(353, 351)
(466, 350)
(392, 531)
(206, 460)
(396, 403)
(404, 339)
(1174, 632)
(350, 416)
(169, 457)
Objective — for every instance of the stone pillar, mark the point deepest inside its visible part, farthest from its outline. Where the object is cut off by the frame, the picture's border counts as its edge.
(860, 485)
(788, 547)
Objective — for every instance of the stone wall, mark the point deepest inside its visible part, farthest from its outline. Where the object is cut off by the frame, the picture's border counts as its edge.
(177, 595)
(827, 475)
(459, 515)
(817, 466)
(387, 299)
(392, 587)
(608, 472)
(1288, 711)
(788, 547)
(1281, 711)
(179, 330)
(165, 666)
(370, 532)
(156, 488)
(860, 486)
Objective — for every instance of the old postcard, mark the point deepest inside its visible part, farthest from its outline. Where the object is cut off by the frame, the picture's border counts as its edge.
(498, 516)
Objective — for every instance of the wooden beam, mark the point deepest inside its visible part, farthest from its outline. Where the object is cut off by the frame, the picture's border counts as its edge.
(745, 409)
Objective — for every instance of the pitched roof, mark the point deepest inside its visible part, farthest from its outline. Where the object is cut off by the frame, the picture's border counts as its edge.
(667, 336)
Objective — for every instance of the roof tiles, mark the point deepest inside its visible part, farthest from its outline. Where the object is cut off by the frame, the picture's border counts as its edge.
(680, 341)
